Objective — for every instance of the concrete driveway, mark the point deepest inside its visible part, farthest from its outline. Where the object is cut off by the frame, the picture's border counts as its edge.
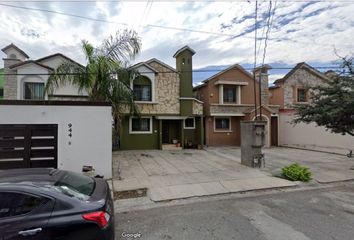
(170, 175)
(326, 167)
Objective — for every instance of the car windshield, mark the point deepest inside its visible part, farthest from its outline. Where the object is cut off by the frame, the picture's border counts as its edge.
(75, 185)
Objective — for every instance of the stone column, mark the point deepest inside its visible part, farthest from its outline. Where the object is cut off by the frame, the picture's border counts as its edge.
(10, 79)
(262, 77)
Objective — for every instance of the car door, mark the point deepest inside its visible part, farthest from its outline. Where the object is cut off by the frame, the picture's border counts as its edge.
(24, 216)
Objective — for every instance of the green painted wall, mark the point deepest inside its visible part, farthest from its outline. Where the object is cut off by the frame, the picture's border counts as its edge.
(186, 107)
(152, 141)
(139, 141)
(194, 135)
(184, 66)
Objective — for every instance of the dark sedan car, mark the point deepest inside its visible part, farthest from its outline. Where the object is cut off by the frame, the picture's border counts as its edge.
(54, 204)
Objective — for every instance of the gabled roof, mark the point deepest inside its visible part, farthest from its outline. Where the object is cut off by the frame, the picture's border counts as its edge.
(29, 62)
(57, 55)
(16, 48)
(304, 66)
(223, 71)
(145, 65)
(162, 63)
(238, 66)
(183, 49)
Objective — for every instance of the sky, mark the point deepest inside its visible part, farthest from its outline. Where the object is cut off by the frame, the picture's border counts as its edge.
(221, 32)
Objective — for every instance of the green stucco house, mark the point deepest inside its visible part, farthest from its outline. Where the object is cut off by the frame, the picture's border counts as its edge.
(170, 117)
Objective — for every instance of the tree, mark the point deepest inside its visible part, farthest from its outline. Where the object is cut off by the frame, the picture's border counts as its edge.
(105, 77)
(332, 104)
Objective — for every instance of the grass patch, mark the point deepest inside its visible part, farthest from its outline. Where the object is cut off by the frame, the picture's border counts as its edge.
(296, 172)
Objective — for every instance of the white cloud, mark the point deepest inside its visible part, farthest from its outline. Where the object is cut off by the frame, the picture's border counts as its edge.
(302, 31)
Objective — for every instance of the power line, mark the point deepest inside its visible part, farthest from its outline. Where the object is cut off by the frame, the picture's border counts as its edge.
(269, 22)
(231, 36)
(112, 22)
(194, 71)
(255, 59)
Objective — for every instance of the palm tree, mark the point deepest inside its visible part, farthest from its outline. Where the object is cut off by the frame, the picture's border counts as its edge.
(105, 76)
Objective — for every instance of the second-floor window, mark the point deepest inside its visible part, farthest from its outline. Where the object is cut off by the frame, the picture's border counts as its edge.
(142, 89)
(34, 90)
(301, 95)
(229, 94)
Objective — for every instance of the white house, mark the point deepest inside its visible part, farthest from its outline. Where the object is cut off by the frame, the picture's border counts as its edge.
(25, 79)
(41, 130)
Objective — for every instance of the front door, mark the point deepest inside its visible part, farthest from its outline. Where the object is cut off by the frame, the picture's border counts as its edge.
(274, 131)
(165, 132)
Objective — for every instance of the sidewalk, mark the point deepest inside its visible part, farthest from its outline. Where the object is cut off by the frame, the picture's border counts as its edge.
(170, 175)
(325, 167)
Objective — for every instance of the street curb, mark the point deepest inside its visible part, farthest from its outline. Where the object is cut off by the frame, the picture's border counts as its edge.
(236, 195)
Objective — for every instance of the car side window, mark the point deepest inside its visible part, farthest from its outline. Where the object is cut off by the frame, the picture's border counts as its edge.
(14, 204)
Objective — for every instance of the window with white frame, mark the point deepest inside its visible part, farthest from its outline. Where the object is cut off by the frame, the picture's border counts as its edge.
(142, 89)
(140, 125)
(189, 123)
(230, 94)
(34, 90)
(222, 124)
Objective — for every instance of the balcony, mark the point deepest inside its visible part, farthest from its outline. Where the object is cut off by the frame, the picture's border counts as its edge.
(238, 109)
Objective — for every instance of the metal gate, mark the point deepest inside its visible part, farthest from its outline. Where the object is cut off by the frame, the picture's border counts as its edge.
(28, 145)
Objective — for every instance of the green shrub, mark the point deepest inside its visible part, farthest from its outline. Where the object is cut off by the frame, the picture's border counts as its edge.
(296, 172)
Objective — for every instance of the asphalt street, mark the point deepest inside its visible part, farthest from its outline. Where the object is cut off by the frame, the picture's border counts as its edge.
(319, 214)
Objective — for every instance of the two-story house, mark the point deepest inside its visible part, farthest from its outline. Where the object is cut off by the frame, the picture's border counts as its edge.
(170, 118)
(296, 88)
(228, 98)
(25, 79)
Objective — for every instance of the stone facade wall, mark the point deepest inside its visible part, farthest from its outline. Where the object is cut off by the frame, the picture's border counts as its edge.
(10, 81)
(197, 108)
(301, 78)
(167, 87)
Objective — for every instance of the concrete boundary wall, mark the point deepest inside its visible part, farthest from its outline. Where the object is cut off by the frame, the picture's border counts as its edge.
(91, 141)
(310, 136)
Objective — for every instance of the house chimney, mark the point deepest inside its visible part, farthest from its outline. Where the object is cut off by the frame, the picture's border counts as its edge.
(261, 74)
(14, 55)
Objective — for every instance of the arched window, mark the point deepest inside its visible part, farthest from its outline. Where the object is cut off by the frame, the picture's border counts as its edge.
(142, 89)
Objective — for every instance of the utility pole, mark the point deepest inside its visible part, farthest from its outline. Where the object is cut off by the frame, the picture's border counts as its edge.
(255, 61)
